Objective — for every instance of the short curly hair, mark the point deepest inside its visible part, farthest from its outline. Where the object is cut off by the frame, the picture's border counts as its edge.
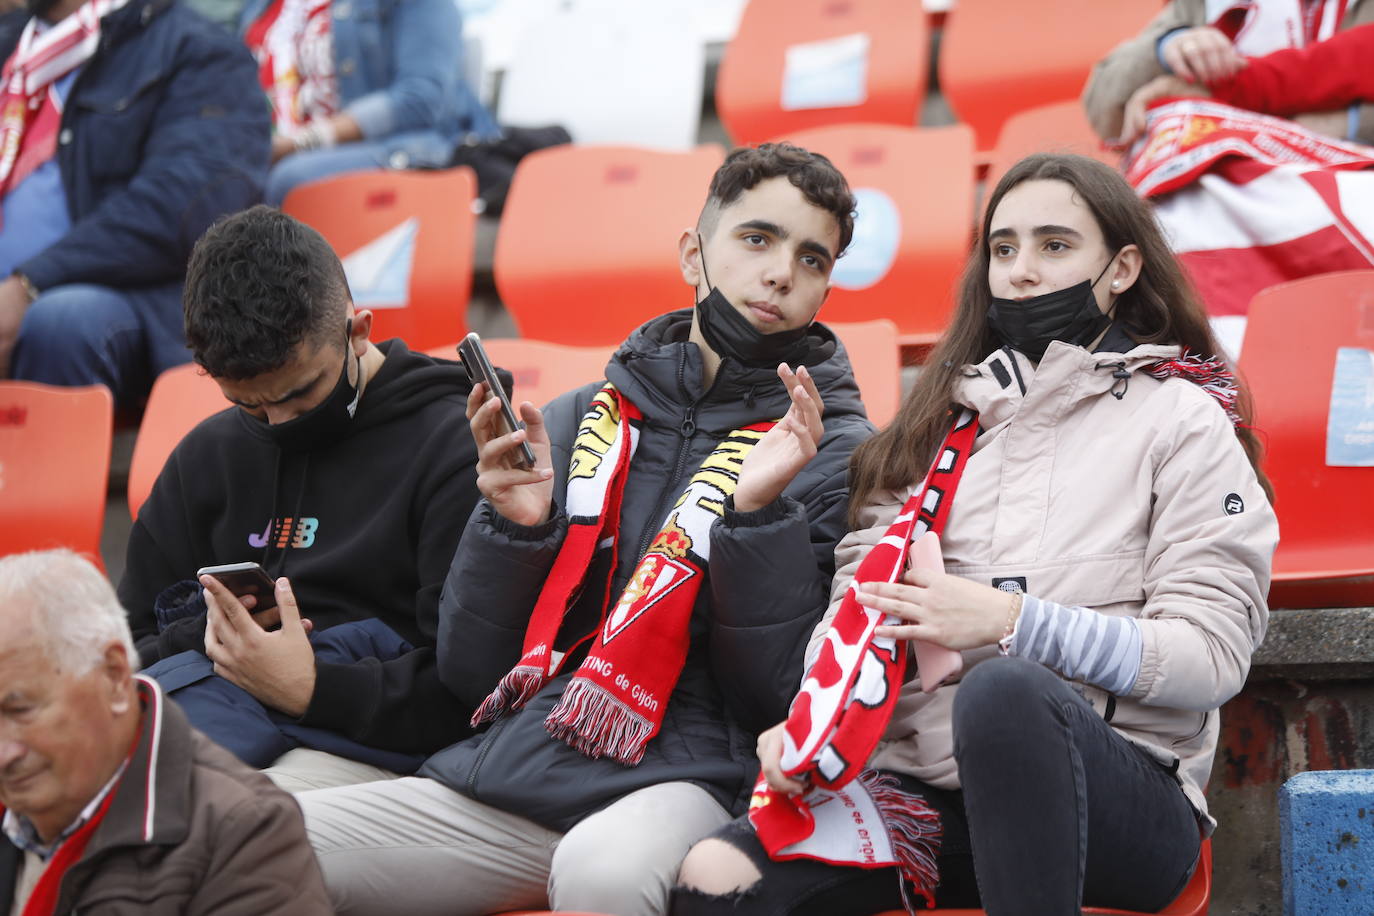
(811, 173)
(260, 283)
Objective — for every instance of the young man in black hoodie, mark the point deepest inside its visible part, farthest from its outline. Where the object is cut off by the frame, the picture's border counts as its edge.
(345, 467)
(627, 633)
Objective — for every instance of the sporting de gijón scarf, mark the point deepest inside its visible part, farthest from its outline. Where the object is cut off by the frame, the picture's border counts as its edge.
(614, 705)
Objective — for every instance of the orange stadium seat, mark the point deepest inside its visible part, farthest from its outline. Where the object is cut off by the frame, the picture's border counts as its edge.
(54, 465)
(1059, 128)
(181, 397)
(915, 188)
(1192, 902)
(998, 57)
(877, 362)
(407, 242)
(544, 370)
(1326, 553)
(586, 251)
(796, 64)
(541, 370)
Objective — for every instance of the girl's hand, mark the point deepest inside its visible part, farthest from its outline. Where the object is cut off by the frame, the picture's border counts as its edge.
(939, 608)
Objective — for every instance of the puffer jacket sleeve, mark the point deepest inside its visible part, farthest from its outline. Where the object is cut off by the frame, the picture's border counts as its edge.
(1207, 561)
(769, 577)
(1131, 65)
(497, 574)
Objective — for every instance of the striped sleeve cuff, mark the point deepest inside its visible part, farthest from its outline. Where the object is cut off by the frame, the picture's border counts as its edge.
(1080, 644)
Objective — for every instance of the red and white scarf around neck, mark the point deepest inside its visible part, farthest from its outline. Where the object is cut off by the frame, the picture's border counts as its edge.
(30, 111)
(615, 704)
(852, 816)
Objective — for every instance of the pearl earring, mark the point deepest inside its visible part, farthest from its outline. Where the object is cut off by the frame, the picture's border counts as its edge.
(1115, 284)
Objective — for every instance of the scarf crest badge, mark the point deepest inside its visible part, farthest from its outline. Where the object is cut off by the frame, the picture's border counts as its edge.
(614, 704)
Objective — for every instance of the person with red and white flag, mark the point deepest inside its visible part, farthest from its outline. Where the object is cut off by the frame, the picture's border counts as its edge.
(1085, 458)
(1249, 123)
(126, 128)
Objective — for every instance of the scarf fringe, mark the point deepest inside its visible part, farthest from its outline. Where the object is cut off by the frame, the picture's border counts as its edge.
(1211, 374)
(516, 689)
(594, 722)
(914, 829)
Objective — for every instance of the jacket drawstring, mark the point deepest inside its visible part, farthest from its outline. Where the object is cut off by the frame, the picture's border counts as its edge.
(1123, 378)
(272, 512)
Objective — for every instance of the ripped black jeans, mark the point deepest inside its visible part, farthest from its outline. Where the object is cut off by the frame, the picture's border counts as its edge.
(1056, 811)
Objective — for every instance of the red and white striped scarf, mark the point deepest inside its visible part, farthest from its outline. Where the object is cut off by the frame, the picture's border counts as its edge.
(615, 704)
(1248, 200)
(851, 816)
(30, 112)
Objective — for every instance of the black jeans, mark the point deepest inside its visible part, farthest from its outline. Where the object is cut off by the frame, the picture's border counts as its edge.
(1056, 810)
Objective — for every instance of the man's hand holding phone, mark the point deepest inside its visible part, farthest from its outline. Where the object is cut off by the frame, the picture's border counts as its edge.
(277, 668)
(521, 494)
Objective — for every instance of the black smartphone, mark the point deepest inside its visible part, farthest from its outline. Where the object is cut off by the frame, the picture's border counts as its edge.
(478, 366)
(245, 579)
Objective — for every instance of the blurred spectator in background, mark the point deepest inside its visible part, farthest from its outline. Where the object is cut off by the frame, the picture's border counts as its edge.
(361, 84)
(1247, 124)
(1207, 43)
(111, 802)
(126, 128)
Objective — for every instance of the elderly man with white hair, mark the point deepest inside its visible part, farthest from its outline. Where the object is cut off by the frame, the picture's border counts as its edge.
(111, 802)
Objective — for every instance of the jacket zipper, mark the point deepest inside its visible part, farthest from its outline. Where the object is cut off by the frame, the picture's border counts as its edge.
(482, 755)
(687, 430)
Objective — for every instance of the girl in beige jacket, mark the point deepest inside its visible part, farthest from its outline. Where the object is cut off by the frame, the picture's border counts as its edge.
(1106, 562)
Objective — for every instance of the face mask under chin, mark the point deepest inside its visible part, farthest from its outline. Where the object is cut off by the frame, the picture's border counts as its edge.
(1070, 315)
(730, 334)
(328, 421)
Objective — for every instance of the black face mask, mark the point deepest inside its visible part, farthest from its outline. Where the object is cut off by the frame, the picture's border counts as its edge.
(729, 333)
(1031, 325)
(328, 421)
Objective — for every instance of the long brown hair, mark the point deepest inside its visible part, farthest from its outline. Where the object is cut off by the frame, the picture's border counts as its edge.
(1161, 307)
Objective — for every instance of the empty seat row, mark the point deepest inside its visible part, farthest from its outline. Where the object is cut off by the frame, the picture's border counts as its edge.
(632, 73)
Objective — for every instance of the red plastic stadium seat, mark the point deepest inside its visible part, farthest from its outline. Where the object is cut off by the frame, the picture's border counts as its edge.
(915, 188)
(890, 74)
(587, 247)
(181, 397)
(999, 57)
(876, 358)
(541, 370)
(54, 464)
(1059, 128)
(368, 216)
(1325, 556)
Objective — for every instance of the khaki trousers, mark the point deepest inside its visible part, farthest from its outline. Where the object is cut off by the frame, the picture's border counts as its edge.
(303, 769)
(413, 846)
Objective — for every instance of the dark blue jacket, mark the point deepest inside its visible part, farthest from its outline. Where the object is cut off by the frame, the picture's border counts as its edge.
(164, 131)
(767, 585)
